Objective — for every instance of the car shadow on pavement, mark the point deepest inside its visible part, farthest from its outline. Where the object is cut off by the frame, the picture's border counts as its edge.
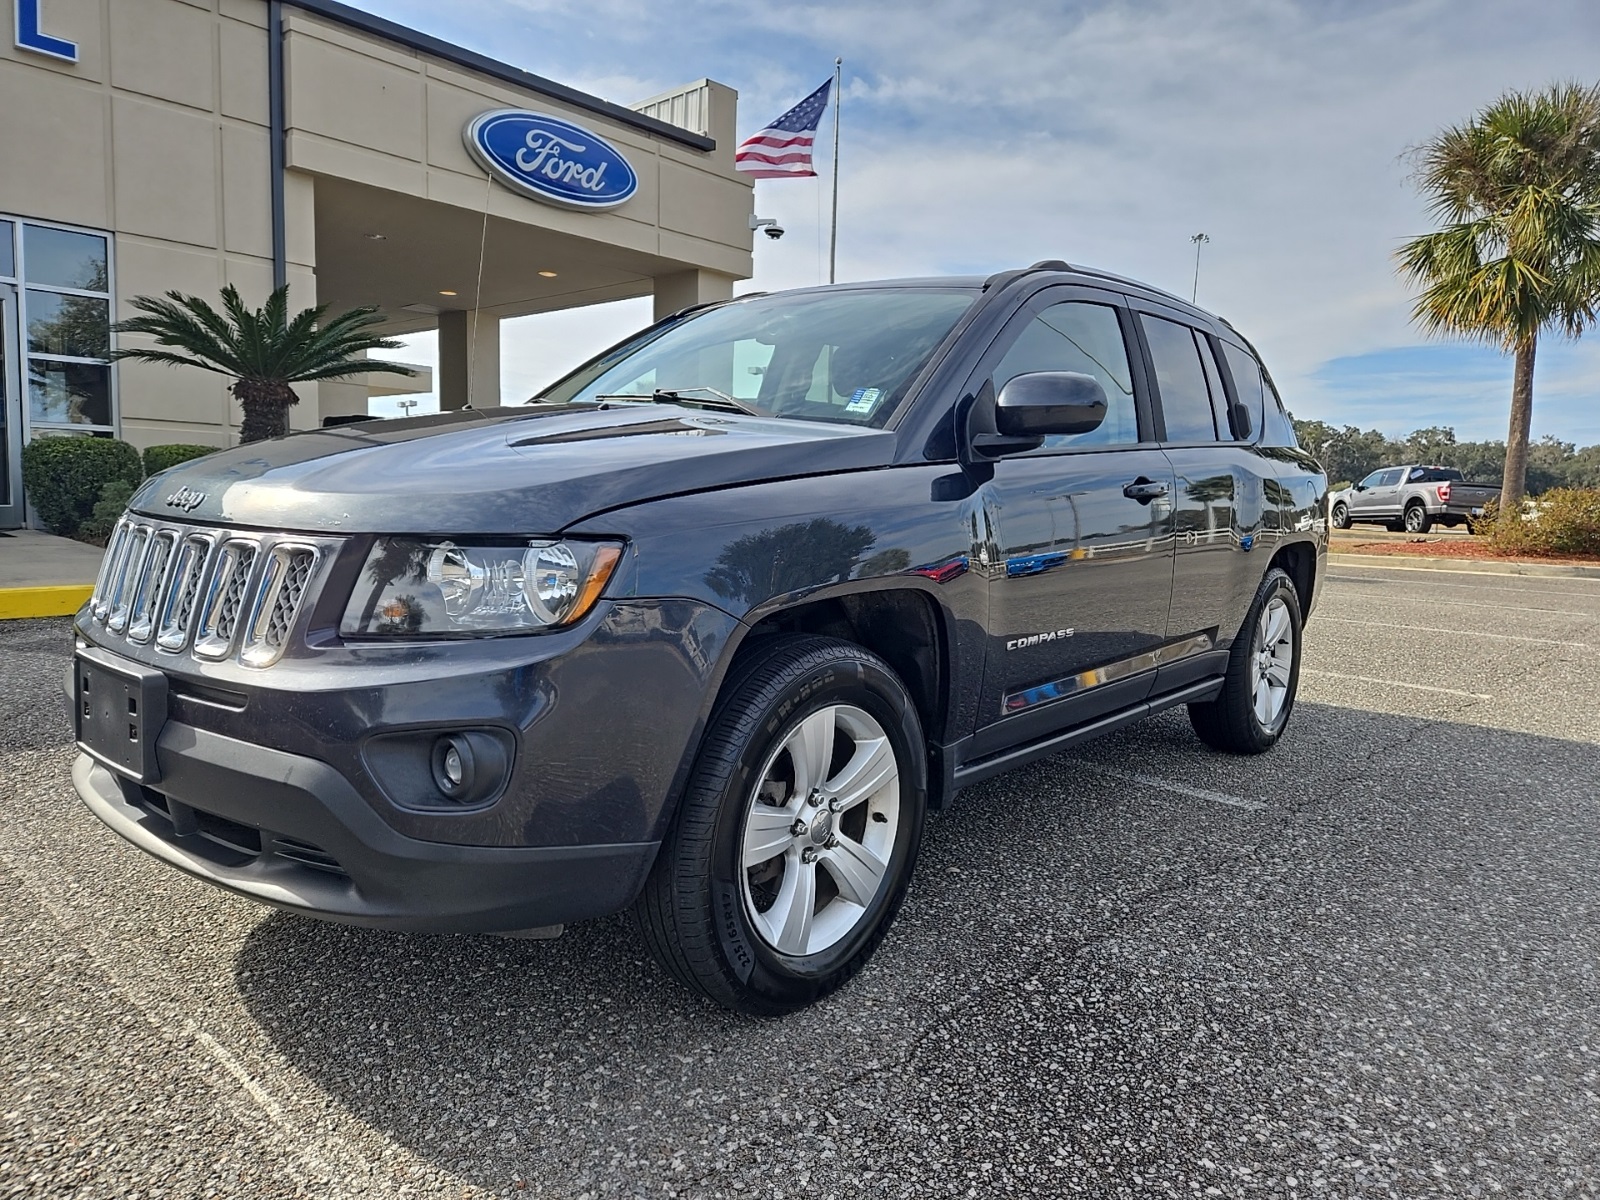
(1137, 966)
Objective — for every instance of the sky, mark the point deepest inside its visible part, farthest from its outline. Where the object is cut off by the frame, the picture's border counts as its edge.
(978, 137)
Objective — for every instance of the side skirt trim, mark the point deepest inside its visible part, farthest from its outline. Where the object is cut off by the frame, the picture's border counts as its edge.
(958, 777)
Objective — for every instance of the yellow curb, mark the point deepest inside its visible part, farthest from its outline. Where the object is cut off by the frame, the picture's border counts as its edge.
(59, 601)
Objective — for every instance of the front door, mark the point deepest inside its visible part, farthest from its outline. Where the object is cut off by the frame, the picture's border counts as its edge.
(1377, 497)
(10, 413)
(1079, 538)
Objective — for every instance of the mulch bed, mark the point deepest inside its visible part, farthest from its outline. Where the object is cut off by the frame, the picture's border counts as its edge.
(1426, 547)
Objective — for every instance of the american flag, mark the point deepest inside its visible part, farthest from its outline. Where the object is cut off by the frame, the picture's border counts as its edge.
(783, 149)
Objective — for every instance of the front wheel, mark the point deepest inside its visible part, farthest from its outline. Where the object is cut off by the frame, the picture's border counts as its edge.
(1258, 691)
(1341, 516)
(795, 841)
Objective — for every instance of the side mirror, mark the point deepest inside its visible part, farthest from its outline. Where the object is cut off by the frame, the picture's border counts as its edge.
(1042, 403)
(1361, 487)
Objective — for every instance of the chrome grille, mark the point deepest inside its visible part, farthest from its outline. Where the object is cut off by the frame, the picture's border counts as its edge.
(178, 611)
(204, 590)
(152, 581)
(283, 585)
(127, 577)
(224, 599)
(110, 566)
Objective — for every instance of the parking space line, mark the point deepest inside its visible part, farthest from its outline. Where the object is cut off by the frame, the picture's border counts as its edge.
(1559, 612)
(1416, 687)
(1499, 637)
(1177, 788)
(1581, 586)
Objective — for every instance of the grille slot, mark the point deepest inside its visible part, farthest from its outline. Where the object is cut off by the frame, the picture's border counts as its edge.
(152, 582)
(224, 599)
(110, 566)
(177, 613)
(277, 600)
(127, 578)
(308, 855)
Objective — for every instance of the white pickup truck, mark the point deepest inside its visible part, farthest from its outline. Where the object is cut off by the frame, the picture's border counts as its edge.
(1415, 498)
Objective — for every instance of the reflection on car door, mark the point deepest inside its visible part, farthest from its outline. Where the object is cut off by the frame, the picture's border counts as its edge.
(1218, 502)
(1078, 539)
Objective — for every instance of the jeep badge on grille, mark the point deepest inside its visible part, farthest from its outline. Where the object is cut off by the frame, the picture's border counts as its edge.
(186, 498)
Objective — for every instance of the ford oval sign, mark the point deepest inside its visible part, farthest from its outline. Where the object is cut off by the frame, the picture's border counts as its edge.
(551, 159)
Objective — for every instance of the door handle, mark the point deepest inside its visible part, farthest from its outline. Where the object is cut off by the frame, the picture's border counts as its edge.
(1144, 491)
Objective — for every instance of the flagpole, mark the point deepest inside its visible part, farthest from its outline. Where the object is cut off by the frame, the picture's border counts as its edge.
(833, 238)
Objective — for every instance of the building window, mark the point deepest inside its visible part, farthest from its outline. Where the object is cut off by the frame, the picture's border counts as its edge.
(63, 283)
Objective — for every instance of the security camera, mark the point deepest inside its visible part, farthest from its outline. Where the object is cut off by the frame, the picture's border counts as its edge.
(768, 225)
(774, 232)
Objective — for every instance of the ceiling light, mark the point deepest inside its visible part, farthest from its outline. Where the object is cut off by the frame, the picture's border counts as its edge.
(548, 274)
(377, 237)
(446, 292)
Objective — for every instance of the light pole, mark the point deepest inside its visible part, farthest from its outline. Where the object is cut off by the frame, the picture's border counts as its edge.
(1199, 239)
(408, 405)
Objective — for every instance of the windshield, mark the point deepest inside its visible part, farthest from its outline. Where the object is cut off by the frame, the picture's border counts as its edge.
(816, 356)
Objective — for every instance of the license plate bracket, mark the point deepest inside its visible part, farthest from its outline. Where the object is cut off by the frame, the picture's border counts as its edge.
(119, 709)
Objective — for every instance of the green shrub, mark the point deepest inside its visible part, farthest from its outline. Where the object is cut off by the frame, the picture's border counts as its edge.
(159, 458)
(1562, 521)
(113, 502)
(64, 475)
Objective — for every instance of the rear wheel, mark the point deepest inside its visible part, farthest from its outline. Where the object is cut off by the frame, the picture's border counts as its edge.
(796, 838)
(1417, 519)
(1341, 515)
(1263, 676)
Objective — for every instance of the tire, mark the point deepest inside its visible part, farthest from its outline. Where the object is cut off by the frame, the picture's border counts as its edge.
(1417, 519)
(741, 930)
(1341, 516)
(1233, 722)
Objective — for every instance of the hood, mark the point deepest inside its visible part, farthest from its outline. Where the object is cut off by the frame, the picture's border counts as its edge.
(509, 470)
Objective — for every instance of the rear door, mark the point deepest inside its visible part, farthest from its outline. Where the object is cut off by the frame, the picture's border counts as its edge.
(1078, 537)
(1219, 509)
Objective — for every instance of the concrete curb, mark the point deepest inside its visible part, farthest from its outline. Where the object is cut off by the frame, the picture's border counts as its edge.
(59, 601)
(1475, 566)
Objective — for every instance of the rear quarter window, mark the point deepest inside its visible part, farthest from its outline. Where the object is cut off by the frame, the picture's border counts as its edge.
(1245, 414)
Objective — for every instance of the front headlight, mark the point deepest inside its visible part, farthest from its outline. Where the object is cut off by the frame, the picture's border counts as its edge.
(412, 586)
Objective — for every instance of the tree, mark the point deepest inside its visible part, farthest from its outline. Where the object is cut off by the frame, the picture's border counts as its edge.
(263, 350)
(1518, 192)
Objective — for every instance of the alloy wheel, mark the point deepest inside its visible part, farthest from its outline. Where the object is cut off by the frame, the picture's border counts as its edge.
(1272, 662)
(820, 830)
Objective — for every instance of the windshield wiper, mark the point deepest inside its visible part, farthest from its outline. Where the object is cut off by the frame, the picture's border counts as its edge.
(716, 399)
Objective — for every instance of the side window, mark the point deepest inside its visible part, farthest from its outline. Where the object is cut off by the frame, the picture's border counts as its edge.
(1086, 338)
(1388, 478)
(1246, 372)
(1417, 475)
(1180, 380)
(1277, 429)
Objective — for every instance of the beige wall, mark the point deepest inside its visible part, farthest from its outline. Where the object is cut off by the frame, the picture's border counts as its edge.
(155, 135)
(158, 134)
(366, 110)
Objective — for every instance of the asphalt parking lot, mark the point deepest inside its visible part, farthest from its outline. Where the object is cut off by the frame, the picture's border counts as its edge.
(1363, 965)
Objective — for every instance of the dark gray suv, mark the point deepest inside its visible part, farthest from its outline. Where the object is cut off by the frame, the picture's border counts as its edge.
(708, 628)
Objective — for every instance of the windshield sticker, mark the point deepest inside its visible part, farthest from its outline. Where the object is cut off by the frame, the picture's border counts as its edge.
(863, 401)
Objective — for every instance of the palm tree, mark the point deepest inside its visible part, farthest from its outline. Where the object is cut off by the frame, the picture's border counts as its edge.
(263, 350)
(1518, 192)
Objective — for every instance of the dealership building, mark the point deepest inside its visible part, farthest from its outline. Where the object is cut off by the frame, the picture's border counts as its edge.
(156, 145)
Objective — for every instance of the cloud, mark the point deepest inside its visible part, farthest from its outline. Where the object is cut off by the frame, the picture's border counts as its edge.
(1107, 133)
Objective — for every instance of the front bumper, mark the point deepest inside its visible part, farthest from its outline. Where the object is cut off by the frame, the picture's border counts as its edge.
(290, 831)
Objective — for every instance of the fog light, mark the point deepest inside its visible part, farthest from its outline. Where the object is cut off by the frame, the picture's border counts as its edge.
(453, 765)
